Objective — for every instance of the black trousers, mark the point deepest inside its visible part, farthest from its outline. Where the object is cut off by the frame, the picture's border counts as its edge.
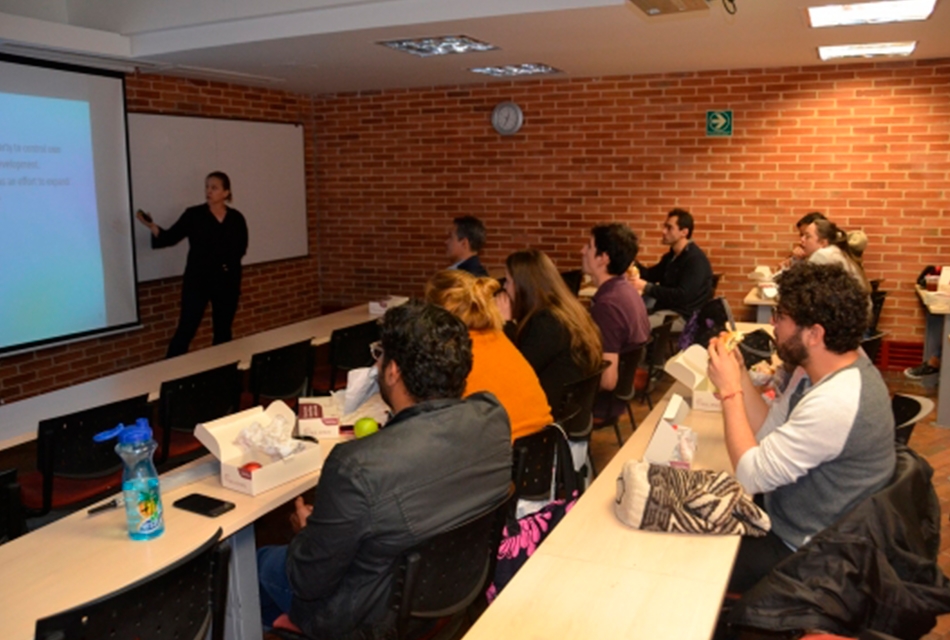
(755, 559)
(222, 293)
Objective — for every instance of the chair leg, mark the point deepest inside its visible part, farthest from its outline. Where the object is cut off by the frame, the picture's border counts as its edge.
(617, 433)
(633, 421)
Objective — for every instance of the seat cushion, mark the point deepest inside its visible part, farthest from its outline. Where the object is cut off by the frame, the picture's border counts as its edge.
(66, 491)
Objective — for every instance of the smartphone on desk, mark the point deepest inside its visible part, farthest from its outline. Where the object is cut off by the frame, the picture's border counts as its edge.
(203, 505)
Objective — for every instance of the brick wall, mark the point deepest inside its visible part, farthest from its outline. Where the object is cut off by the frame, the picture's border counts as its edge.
(867, 144)
(273, 294)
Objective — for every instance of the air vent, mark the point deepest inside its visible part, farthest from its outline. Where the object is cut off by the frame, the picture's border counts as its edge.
(670, 7)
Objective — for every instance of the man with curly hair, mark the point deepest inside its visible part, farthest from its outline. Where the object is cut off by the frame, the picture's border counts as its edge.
(438, 462)
(828, 442)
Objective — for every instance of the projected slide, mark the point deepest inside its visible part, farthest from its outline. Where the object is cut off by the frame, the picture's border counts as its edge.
(51, 262)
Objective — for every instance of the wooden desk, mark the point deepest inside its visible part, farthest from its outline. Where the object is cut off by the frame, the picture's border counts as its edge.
(81, 558)
(594, 577)
(763, 306)
(936, 341)
(19, 420)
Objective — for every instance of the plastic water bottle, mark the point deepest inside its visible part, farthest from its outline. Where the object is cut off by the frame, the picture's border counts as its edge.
(140, 485)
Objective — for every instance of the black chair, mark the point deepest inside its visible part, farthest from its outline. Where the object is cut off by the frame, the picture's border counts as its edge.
(349, 349)
(716, 279)
(908, 411)
(197, 398)
(534, 459)
(12, 523)
(282, 373)
(658, 348)
(872, 345)
(575, 415)
(624, 391)
(573, 279)
(447, 573)
(182, 602)
(71, 468)
(877, 305)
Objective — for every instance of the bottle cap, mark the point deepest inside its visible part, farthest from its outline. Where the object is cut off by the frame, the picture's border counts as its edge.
(132, 434)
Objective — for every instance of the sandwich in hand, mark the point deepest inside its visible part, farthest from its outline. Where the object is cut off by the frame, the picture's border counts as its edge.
(732, 339)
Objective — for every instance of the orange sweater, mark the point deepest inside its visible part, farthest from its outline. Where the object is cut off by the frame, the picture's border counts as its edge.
(498, 367)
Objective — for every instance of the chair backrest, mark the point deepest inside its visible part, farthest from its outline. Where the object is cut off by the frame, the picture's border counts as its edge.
(575, 415)
(283, 372)
(197, 398)
(533, 460)
(908, 410)
(872, 345)
(626, 373)
(201, 397)
(716, 278)
(65, 446)
(877, 305)
(660, 338)
(573, 280)
(12, 523)
(349, 348)
(445, 574)
(182, 601)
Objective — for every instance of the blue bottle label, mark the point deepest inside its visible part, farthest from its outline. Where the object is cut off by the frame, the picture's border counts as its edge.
(143, 507)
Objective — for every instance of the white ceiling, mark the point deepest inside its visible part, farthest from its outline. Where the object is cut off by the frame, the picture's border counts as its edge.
(329, 46)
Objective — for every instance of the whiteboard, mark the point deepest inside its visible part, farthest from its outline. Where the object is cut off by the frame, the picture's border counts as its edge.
(170, 157)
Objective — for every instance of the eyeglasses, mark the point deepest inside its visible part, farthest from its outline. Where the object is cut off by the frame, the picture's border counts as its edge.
(777, 315)
(376, 350)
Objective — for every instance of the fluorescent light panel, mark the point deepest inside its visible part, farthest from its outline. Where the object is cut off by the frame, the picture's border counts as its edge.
(837, 15)
(873, 50)
(516, 70)
(441, 46)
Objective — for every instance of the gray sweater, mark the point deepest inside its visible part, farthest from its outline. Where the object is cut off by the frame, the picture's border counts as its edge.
(822, 450)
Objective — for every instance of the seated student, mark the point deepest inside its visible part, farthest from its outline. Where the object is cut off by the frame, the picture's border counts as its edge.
(798, 253)
(828, 442)
(438, 462)
(824, 243)
(682, 281)
(466, 239)
(550, 327)
(497, 365)
(616, 308)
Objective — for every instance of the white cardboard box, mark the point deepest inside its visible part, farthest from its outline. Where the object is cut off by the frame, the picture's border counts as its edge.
(219, 436)
(313, 422)
(689, 367)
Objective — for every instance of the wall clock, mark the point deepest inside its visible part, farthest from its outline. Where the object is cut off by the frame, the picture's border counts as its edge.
(507, 118)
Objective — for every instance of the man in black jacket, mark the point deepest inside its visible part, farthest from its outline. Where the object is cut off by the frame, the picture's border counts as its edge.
(466, 239)
(438, 462)
(682, 281)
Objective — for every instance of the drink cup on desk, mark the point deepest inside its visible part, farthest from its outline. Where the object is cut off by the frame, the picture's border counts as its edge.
(932, 282)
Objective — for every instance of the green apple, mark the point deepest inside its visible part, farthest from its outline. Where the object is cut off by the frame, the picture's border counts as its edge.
(365, 427)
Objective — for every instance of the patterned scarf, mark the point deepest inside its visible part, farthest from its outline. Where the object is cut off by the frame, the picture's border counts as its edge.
(659, 498)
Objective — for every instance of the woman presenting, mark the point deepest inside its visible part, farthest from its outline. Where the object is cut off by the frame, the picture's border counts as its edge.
(217, 240)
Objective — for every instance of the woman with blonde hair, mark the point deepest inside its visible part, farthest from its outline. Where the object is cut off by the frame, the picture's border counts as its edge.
(551, 328)
(497, 366)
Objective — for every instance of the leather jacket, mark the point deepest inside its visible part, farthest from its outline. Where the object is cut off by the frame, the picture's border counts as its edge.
(432, 467)
(875, 569)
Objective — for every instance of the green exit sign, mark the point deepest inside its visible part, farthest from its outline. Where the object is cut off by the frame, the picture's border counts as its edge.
(719, 123)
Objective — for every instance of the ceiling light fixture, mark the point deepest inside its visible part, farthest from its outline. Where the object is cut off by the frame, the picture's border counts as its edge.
(516, 70)
(873, 50)
(838, 15)
(441, 46)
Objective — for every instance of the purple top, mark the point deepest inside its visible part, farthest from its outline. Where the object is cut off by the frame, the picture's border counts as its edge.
(618, 310)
